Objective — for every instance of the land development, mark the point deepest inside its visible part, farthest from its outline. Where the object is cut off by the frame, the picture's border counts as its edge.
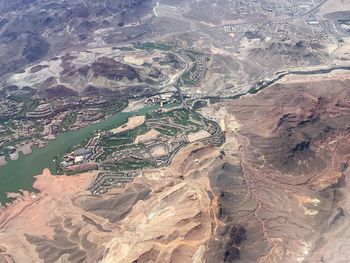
(174, 131)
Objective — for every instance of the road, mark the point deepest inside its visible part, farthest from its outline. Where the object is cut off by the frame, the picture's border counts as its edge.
(188, 65)
(278, 76)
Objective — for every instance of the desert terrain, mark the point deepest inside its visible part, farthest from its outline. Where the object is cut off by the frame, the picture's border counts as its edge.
(197, 131)
(275, 191)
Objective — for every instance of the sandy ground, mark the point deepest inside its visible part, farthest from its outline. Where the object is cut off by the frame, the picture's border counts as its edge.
(47, 130)
(31, 213)
(132, 123)
(180, 209)
(334, 6)
(227, 121)
(84, 58)
(3, 160)
(134, 105)
(14, 156)
(25, 149)
(64, 216)
(148, 136)
(132, 59)
(50, 137)
(159, 151)
(240, 199)
(334, 75)
(30, 79)
(196, 136)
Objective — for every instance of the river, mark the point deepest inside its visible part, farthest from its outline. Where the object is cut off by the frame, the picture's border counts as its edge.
(16, 175)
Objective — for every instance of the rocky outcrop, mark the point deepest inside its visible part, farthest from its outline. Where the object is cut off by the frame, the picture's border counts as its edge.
(286, 186)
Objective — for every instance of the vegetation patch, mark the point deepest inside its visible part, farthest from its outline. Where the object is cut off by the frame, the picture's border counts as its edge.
(199, 104)
(153, 45)
(68, 121)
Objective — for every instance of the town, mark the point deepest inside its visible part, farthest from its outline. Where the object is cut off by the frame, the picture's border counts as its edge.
(148, 141)
(26, 121)
(277, 8)
(281, 31)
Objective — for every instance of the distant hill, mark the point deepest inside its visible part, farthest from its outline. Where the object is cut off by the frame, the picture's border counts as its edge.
(35, 28)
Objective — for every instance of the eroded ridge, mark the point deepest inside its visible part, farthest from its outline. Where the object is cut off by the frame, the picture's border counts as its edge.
(283, 197)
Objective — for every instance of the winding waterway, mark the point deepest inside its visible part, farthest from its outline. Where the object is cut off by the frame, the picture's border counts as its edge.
(19, 174)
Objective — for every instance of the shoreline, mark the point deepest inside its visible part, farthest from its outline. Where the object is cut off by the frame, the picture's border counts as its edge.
(32, 196)
(25, 149)
(20, 173)
(3, 160)
(134, 105)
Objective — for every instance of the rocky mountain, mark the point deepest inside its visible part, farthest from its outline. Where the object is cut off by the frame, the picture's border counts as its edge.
(30, 30)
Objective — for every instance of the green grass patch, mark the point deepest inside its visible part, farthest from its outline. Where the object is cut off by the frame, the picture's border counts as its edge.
(28, 104)
(8, 124)
(133, 133)
(123, 138)
(153, 45)
(186, 77)
(114, 107)
(128, 166)
(70, 172)
(166, 130)
(214, 100)
(196, 117)
(39, 127)
(178, 116)
(181, 116)
(19, 99)
(115, 141)
(199, 104)
(69, 120)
